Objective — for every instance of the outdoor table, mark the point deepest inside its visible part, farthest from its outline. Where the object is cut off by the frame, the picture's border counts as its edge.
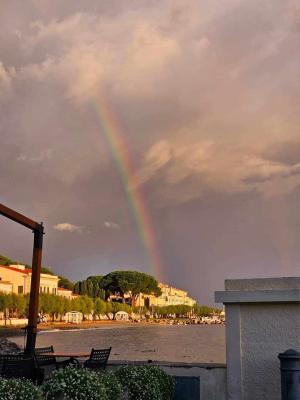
(66, 354)
(73, 356)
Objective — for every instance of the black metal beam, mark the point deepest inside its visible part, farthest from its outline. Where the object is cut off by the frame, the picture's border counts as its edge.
(17, 217)
(38, 231)
(34, 290)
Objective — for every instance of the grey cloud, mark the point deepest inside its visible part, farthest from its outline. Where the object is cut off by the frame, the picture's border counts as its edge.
(195, 168)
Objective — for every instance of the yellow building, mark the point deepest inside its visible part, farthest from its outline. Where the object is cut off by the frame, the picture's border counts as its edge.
(170, 296)
(68, 294)
(6, 287)
(17, 279)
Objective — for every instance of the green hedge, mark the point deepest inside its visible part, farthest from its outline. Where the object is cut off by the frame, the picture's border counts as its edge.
(146, 383)
(82, 384)
(19, 389)
(129, 382)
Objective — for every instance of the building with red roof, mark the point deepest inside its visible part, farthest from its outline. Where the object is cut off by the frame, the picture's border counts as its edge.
(17, 279)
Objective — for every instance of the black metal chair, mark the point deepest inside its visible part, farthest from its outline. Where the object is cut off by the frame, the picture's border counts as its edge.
(21, 366)
(3, 357)
(98, 359)
(44, 359)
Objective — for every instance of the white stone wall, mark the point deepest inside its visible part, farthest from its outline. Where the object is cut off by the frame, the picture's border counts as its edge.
(262, 320)
(266, 330)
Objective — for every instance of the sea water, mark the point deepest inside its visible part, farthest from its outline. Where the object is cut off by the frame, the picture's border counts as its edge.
(141, 342)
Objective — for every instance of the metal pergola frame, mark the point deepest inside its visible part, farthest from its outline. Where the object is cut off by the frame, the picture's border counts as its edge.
(38, 232)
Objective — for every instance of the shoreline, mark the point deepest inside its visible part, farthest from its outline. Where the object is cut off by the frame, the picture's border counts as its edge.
(8, 333)
(64, 326)
(11, 331)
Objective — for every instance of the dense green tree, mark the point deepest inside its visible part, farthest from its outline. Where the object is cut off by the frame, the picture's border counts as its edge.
(131, 282)
(90, 287)
(84, 304)
(17, 304)
(76, 304)
(65, 283)
(13, 305)
(99, 307)
(65, 306)
(94, 286)
(45, 270)
(5, 260)
(178, 310)
(46, 303)
(80, 288)
(116, 307)
(5, 302)
(205, 311)
(108, 309)
(2, 302)
(140, 310)
(54, 306)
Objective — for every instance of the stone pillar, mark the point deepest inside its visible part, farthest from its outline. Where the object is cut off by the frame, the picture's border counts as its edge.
(262, 320)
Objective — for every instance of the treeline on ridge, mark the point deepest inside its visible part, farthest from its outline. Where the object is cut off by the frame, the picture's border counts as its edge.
(94, 293)
(16, 306)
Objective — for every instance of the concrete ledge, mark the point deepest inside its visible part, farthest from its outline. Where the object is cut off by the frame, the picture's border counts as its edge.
(263, 284)
(258, 296)
(198, 381)
(167, 364)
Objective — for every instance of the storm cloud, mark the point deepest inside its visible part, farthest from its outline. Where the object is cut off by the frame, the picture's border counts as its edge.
(207, 96)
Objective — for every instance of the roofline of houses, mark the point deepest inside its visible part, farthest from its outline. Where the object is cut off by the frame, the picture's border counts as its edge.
(26, 271)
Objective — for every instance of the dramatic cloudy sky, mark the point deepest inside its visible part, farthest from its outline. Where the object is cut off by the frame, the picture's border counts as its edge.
(207, 97)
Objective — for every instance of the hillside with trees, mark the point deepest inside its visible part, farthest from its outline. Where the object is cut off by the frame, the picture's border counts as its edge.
(94, 293)
(129, 282)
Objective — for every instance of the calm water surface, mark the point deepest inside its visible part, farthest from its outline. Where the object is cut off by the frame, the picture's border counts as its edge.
(178, 343)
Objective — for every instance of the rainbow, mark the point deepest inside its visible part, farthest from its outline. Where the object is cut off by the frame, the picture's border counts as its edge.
(111, 129)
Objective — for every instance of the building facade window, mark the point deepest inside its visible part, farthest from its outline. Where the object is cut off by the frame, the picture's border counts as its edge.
(20, 290)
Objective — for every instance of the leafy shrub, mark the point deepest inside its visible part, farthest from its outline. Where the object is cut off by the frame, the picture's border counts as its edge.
(146, 383)
(76, 384)
(112, 384)
(19, 389)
